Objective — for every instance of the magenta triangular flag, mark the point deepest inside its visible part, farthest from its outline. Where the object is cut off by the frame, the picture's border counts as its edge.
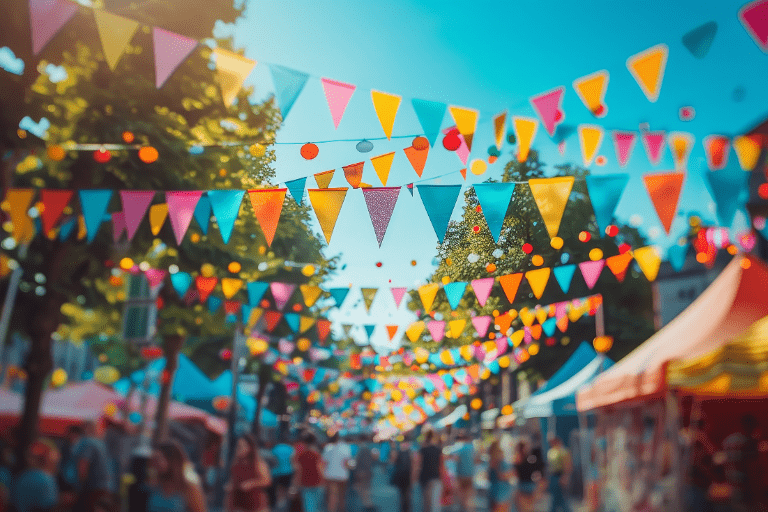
(482, 288)
(337, 94)
(654, 146)
(398, 294)
(624, 142)
(591, 271)
(754, 17)
(181, 208)
(170, 51)
(481, 324)
(436, 329)
(118, 225)
(155, 276)
(282, 293)
(561, 310)
(46, 18)
(381, 203)
(547, 106)
(135, 206)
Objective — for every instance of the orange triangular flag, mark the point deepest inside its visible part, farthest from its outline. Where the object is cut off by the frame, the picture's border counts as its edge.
(157, 216)
(510, 283)
(466, 122)
(391, 331)
(562, 323)
(503, 321)
(310, 294)
(386, 106)
(681, 144)
(19, 201)
(464, 173)
(664, 190)
(418, 158)
(271, 319)
(231, 71)
(267, 206)
(327, 205)
(499, 127)
(618, 265)
(354, 174)
(647, 67)
(205, 286)
(382, 164)
(324, 178)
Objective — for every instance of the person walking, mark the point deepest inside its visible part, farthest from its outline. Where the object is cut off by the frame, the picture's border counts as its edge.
(176, 487)
(93, 468)
(249, 478)
(499, 473)
(282, 473)
(560, 467)
(364, 462)
(308, 473)
(35, 489)
(337, 456)
(429, 461)
(465, 471)
(526, 468)
(402, 473)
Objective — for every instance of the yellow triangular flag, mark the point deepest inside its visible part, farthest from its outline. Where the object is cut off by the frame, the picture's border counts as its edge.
(467, 352)
(541, 315)
(386, 106)
(19, 201)
(591, 91)
(427, 293)
(323, 179)
(648, 259)
(525, 131)
(499, 127)
(382, 164)
(157, 215)
(231, 71)
(680, 143)
(230, 286)
(456, 327)
(527, 317)
(305, 322)
(647, 67)
(115, 33)
(517, 338)
(551, 196)
(538, 280)
(466, 122)
(254, 317)
(414, 331)
(747, 150)
(368, 295)
(310, 294)
(327, 205)
(590, 138)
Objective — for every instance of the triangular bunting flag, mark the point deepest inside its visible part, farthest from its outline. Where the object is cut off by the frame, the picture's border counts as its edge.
(386, 106)
(564, 276)
(754, 17)
(538, 280)
(481, 325)
(381, 203)
(716, 149)
(590, 139)
(551, 196)
(46, 17)
(436, 330)
(323, 179)
(170, 51)
(202, 213)
(288, 85)
(654, 146)
(414, 331)
(747, 149)
(562, 324)
(337, 94)
(214, 304)
(430, 114)
(623, 142)
(482, 288)
(439, 201)
(267, 205)
(354, 174)
(339, 294)
(305, 322)
(205, 286)
(410, 188)
(456, 327)
(19, 202)
(677, 255)
(135, 206)
(549, 326)
(181, 282)
(327, 205)
(115, 33)
(466, 122)
(54, 202)
(391, 331)
(680, 143)
(591, 91)
(494, 200)
(118, 225)
(427, 293)
(503, 322)
(510, 283)
(296, 188)
(368, 295)
(397, 294)
(155, 277)
(664, 190)
(181, 207)
(231, 71)
(230, 286)
(310, 294)
(730, 190)
(618, 265)
(256, 290)
(382, 164)
(272, 319)
(226, 207)
(157, 216)
(591, 271)
(293, 321)
(699, 40)
(282, 293)
(369, 330)
(648, 259)
(454, 292)
(94, 205)
(323, 329)
(647, 68)
(549, 107)
(525, 132)
(418, 158)
(605, 192)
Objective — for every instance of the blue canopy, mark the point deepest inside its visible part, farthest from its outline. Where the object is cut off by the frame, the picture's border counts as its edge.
(223, 386)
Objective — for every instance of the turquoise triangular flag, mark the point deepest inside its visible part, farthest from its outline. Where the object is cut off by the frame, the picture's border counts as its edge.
(214, 303)
(181, 282)
(677, 255)
(430, 114)
(549, 326)
(700, 39)
(494, 367)
(245, 311)
(494, 199)
(410, 188)
(296, 188)
(292, 319)
(256, 290)
(339, 294)
(454, 292)
(94, 205)
(605, 192)
(369, 330)
(226, 206)
(730, 190)
(564, 276)
(67, 228)
(288, 85)
(203, 213)
(439, 201)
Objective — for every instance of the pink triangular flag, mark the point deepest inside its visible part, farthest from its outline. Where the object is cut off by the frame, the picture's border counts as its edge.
(754, 17)
(436, 329)
(547, 106)
(381, 203)
(591, 271)
(170, 51)
(481, 324)
(181, 208)
(654, 146)
(501, 345)
(46, 18)
(479, 352)
(527, 336)
(398, 294)
(337, 94)
(624, 142)
(463, 151)
(482, 288)
(155, 276)
(281, 292)
(135, 206)
(118, 225)
(561, 310)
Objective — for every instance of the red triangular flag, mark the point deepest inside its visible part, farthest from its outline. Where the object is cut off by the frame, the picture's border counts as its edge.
(232, 307)
(54, 202)
(354, 174)
(664, 190)
(205, 286)
(323, 329)
(618, 265)
(271, 319)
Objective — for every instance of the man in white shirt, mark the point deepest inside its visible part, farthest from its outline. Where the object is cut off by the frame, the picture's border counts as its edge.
(337, 456)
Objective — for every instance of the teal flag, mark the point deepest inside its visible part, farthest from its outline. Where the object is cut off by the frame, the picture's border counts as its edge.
(494, 199)
(203, 213)
(226, 206)
(292, 319)
(214, 304)
(430, 114)
(94, 205)
(730, 190)
(296, 188)
(604, 193)
(454, 292)
(256, 290)
(564, 276)
(288, 85)
(369, 330)
(678, 253)
(181, 282)
(439, 201)
(339, 294)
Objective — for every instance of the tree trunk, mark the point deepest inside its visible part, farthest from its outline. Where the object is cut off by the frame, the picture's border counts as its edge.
(172, 347)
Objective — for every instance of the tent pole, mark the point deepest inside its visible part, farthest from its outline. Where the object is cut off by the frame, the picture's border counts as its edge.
(585, 446)
(672, 414)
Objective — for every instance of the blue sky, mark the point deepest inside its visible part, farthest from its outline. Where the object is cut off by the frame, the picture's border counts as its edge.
(490, 56)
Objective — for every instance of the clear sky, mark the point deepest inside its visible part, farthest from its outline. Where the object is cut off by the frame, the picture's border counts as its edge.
(490, 56)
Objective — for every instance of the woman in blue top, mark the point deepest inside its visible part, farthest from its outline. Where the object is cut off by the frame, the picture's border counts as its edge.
(499, 473)
(35, 489)
(175, 490)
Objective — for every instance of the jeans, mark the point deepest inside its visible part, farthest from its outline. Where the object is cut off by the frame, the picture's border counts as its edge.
(405, 498)
(312, 498)
(559, 500)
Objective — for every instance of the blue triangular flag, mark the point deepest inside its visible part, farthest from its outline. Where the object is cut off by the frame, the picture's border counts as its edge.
(730, 190)
(677, 255)
(430, 114)
(203, 213)
(494, 199)
(454, 292)
(245, 311)
(564, 276)
(549, 326)
(292, 319)
(67, 228)
(410, 188)
(230, 318)
(214, 303)
(699, 40)
(439, 201)
(448, 379)
(494, 367)
(604, 193)
(296, 187)
(339, 294)
(256, 290)
(226, 206)
(288, 85)
(369, 330)
(94, 205)
(181, 282)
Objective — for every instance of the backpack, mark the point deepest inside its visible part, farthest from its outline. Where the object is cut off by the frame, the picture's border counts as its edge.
(401, 476)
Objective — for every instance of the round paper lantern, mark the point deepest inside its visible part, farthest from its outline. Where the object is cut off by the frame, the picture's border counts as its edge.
(151, 352)
(303, 344)
(309, 151)
(533, 349)
(234, 267)
(452, 142)
(492, 159)
(225, 354)
(126, 264)
(556, 243)
(128, 137)
(476, 404)
(602, 344)
(308, 270)
(478, 167)
(58, 377)
(491, 267)
(207, 270)
(585, 236)
(148, 154)
(527, 248)
(364, 146)
(56, 153)
(612, 230)
(511, 137)
(106, 375)
(220, 403)
(102, 156)
(134, 418)
(595, 254)
(257, 150)
(493, 150)
(507, 410)
(537, 260)
(420, 143)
